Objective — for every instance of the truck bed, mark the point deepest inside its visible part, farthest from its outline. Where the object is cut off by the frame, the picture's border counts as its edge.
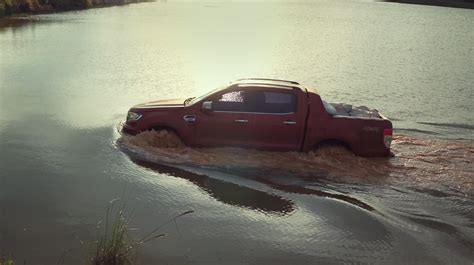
(347, 110)
(360, 128)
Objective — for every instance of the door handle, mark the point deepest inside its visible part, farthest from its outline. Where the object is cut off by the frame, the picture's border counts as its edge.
(289, 122)
(242, 121)
(189, 118)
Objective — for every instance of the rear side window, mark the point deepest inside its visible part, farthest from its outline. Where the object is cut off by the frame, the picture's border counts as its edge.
(278, 98)
(276, 102)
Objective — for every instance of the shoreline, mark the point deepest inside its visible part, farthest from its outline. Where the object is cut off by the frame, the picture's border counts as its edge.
(466, 4)
(11, 10)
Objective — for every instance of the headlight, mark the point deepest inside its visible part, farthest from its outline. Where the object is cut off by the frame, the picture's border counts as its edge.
(132, 116)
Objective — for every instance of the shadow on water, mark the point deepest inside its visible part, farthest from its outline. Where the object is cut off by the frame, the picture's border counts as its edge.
(268, 178)
(18, 23)
(437, 225)
(14, 22)
(237, 195)
(227, 192)
(450, 125)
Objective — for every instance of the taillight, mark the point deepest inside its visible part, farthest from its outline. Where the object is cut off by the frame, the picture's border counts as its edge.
(387, 137)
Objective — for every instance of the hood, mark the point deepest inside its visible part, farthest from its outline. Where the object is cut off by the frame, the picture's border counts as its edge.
(162, 103)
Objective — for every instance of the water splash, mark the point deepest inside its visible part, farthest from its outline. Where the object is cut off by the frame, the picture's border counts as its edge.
(418, 162)
(434, 163)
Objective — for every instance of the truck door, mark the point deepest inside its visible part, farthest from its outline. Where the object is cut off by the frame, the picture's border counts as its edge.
(227, 123)
(279, 119)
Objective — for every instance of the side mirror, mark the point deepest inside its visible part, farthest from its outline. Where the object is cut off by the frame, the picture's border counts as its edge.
(207, 105)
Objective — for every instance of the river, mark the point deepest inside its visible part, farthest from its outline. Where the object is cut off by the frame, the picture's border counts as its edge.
(68, 79)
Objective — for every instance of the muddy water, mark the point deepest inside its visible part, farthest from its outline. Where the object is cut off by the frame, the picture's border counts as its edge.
(67, 80)
(417, 162)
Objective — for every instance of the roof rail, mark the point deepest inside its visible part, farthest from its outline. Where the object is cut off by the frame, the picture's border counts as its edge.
(269, 79)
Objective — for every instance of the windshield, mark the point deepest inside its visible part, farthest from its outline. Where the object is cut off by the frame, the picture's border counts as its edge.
(197, 99)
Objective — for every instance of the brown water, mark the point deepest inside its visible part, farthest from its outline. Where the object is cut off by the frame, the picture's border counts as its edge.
(67, 80)
(417, 162)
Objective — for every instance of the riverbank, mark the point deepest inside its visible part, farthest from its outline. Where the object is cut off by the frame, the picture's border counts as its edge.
(11, 7)
(469, 4)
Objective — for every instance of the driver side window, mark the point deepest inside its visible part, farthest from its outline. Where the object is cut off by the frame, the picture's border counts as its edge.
(230, 101)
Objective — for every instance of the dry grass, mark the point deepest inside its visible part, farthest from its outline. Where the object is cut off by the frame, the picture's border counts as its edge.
(6, 261)
(115, 246)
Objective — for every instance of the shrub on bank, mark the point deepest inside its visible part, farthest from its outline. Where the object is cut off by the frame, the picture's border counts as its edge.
(6, 261)
(8, 7)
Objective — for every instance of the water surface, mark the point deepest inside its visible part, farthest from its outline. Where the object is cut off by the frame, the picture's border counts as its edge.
(67, 80)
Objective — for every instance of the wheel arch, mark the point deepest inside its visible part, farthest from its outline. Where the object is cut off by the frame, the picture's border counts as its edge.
(333, 142)
(160, 127)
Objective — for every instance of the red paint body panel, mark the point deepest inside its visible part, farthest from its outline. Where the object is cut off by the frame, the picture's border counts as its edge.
(307, 125)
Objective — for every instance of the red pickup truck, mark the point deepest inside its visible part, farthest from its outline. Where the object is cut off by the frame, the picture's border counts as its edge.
(266, 114)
